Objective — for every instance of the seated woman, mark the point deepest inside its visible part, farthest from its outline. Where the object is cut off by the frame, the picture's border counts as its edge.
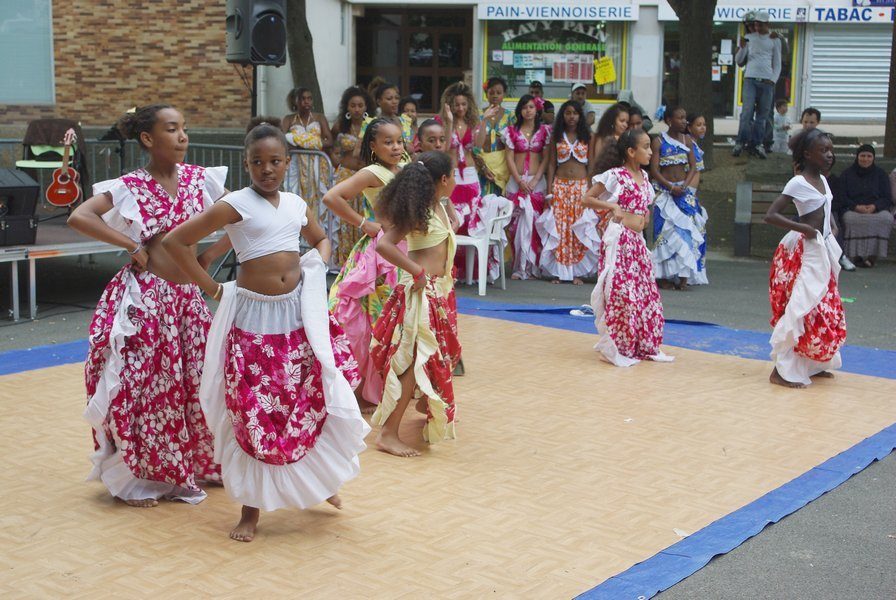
(864, 205)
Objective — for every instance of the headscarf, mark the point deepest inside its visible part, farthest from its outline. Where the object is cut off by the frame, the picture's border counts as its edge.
(864, 171)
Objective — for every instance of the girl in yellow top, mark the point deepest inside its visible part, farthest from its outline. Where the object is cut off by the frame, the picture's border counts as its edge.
(415, 346)
(366, 280)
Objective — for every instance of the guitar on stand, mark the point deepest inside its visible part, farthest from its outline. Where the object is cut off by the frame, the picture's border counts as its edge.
(65, 189)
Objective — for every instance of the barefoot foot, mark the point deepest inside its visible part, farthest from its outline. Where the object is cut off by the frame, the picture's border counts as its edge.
(577, 281)
(555, 281)
(664, 284)
(390, 444)
(776, 378)
(824, 375)
(245, 529)
(336, 501)
(516, 276)
(143, 503)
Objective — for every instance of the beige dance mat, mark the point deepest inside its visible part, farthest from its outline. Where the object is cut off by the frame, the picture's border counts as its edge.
(566, 471)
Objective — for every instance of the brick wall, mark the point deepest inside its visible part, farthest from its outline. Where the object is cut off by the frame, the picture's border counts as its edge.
(113, 54)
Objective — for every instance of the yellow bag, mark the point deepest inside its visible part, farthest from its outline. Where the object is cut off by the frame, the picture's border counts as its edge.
(497, 164)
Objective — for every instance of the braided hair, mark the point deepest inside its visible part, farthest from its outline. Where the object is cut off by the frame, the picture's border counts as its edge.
(142, 120)
(367, 155)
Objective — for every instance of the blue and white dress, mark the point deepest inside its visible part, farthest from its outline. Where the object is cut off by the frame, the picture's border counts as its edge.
(679, 222)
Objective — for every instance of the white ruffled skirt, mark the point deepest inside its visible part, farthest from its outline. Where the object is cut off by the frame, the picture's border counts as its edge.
(287, 427)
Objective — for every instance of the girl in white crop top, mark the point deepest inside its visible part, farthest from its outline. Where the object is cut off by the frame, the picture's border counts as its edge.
(569, 239)
(277, 385)
(807, 314)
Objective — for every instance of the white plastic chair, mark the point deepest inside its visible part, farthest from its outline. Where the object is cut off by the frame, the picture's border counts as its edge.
(481, 245)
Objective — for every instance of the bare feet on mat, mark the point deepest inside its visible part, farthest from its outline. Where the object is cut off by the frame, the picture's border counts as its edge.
(144, 503)
(390, 444)
(516, 276)
(577, 281)
(664, 284)
(776, 378)
(336, 501)
(555, 281)
(824, 375)
(245, 529)
(421, 405)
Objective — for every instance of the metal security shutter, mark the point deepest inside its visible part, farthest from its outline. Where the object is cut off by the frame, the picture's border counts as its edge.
(849, 68)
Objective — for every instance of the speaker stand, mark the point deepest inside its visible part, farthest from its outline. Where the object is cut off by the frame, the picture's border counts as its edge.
(254, 90)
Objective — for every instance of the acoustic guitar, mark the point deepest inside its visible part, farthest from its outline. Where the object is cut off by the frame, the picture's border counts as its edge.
(65, 189)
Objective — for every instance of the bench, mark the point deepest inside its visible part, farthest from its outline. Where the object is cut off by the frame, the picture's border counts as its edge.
(751, 204)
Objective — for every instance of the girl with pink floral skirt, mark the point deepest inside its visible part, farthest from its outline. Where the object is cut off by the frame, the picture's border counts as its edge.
(525, 142)
(147, 337)
(278, 378)
(628, 312)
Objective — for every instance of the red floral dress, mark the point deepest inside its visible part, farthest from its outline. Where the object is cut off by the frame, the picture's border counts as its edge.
(146, 352)
(628, 310)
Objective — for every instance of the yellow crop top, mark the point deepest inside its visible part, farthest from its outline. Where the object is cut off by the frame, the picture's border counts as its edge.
(383, 174)
(437, 232)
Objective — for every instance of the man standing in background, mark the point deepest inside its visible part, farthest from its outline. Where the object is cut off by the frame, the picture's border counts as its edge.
(760, 55)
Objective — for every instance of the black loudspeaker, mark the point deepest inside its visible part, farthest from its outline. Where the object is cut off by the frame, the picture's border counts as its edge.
(18, 200)
(256, 32)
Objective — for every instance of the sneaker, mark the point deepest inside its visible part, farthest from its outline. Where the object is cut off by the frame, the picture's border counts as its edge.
(760, 152)
(738, 148)
(847, 264)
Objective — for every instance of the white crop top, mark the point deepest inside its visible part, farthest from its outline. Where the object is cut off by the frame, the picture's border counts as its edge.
(265, 229)
(808, 199)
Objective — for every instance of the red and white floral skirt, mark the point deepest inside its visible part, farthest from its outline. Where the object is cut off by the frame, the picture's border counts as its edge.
(807, 314)
(628, 310)
(147, 345)
(277, 390)
(418, 330)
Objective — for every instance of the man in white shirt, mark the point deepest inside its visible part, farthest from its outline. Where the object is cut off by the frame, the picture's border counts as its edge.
(760, 55)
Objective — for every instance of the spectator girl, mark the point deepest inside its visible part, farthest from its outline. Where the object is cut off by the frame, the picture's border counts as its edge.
(493, 173)
(308, 175)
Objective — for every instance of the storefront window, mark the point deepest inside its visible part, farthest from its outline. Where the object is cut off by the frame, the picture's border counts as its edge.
(725, 74)
(557, 53)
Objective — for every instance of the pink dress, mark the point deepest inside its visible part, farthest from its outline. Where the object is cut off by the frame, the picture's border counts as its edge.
(526, 241)
(147, 343)
(628, 312)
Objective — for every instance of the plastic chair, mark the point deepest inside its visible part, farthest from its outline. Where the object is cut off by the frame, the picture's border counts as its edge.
(480, 246)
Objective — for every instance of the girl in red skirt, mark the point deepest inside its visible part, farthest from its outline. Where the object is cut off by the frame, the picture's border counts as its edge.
(415, 345)
(147, 337)
(807, 314)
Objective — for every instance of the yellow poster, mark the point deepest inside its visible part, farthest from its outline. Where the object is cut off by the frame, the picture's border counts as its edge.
(604, 71)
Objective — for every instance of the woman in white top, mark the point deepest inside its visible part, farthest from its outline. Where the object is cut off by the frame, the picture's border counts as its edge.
(807, 314)
(277, 384)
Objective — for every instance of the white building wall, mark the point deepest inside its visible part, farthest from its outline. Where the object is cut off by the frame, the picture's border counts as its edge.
(332, 32)
(646, 58)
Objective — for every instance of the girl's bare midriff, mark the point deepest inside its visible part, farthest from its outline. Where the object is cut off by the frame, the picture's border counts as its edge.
(519, 159)
(161, 264)
(674, 173)
(431, 259)
(271, 275)
(571, 169)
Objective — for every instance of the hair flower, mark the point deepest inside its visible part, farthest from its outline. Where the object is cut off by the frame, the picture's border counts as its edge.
(485, 87)
(539, 103)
